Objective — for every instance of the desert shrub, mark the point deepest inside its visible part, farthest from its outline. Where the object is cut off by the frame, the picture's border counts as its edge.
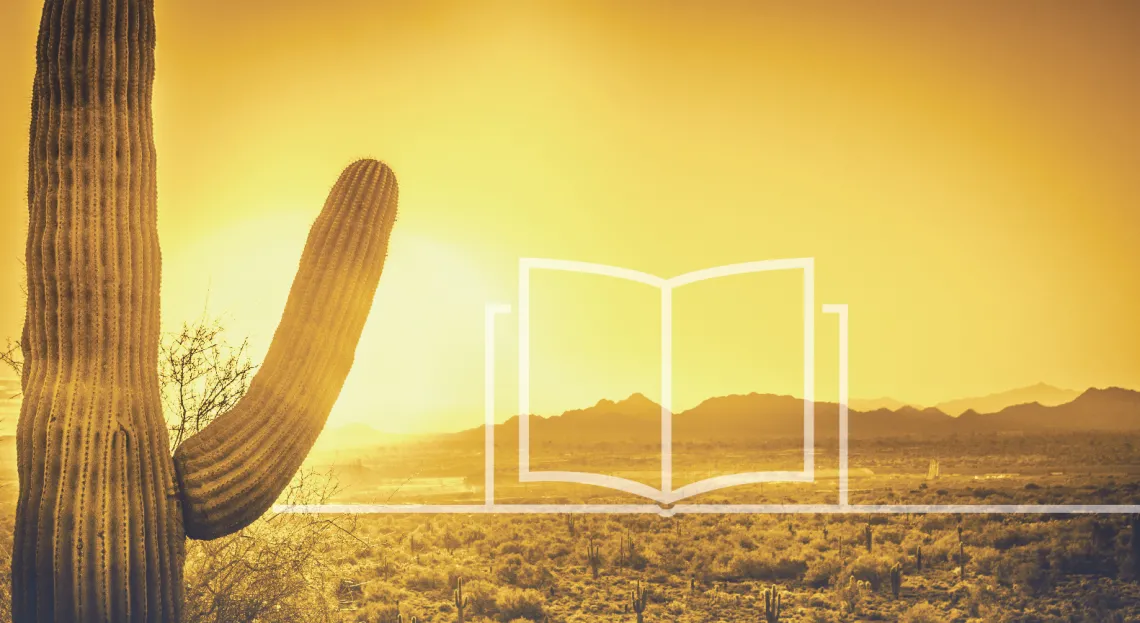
(1076, 558)
(279, 569)
(819, 600)
(1005, 537)
(470, 534)
(518, 572)
(937, 523)
(556, 550)
(1031, 579)
(382, 592)
(450, 541)
(762, 565)
(508, 569)
(376, 612)
(482, 595)
(823, 616)
(520, 603)
(822, 572)
(870, 568)
(533, 576)
(980, 601)
(986, 560)
(944, 549)
(425, 579)
(922, 613)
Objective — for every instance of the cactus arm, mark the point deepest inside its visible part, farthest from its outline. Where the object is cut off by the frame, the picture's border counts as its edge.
(234, 469)
(98, 531)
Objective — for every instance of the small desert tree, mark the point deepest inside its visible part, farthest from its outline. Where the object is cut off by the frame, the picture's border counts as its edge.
(277, 569)
(201, 376)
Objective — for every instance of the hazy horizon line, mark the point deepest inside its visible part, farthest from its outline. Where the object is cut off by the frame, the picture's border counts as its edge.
(1079, 392)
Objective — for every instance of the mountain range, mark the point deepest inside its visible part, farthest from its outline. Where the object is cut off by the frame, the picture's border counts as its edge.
(1042, 393)
(637, 419)
(728, 419)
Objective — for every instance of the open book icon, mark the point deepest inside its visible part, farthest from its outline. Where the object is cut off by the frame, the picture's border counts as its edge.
(667, 501)
(666, 494)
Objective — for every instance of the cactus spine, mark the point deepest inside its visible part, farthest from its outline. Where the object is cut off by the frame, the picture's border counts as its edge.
(638, 599)
(772, 601)
(461, 600)
(103, 511)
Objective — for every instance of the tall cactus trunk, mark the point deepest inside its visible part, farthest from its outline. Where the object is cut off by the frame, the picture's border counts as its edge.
(98, 531)
(103, 512)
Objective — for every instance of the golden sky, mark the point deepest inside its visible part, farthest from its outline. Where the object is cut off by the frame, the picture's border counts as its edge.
(964, 174)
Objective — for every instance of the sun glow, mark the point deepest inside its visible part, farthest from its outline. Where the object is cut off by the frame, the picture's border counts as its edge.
(968, 196)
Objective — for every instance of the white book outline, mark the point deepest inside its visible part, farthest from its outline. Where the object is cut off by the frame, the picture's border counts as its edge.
(843, 507)
(666, 494)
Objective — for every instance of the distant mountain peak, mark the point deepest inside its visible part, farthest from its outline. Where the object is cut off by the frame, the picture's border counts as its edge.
(1109, 394)
(1042, 393)
(874, 404)
(639, 398)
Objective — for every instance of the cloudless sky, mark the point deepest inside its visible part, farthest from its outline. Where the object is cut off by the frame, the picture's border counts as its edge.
(964, 174)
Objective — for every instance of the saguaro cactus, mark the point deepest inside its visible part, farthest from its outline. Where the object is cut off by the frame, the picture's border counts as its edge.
(772, 604)
(639, 598)
(896, 579)
(594, 557)
(461, 600)
(103, 510)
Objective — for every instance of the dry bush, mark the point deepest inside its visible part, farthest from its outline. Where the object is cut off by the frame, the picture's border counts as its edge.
(200, 376)
(765, 565)
(823, 571)
(870, 568)
(426, 580)
(520, 603)
(483, 598)
(922, 613)
(277, 570)
(281, 568)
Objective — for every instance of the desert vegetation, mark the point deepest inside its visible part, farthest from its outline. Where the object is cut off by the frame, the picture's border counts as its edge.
(740, 568)
(577, 567)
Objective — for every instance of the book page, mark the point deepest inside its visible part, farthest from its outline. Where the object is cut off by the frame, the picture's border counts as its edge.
(594, 387)
(739, 385)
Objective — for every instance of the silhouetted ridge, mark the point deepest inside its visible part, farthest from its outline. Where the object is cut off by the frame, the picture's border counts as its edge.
(757, 417)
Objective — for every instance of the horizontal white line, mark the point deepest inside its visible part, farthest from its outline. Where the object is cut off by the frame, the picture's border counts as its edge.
(684, 509)
(464, 509)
